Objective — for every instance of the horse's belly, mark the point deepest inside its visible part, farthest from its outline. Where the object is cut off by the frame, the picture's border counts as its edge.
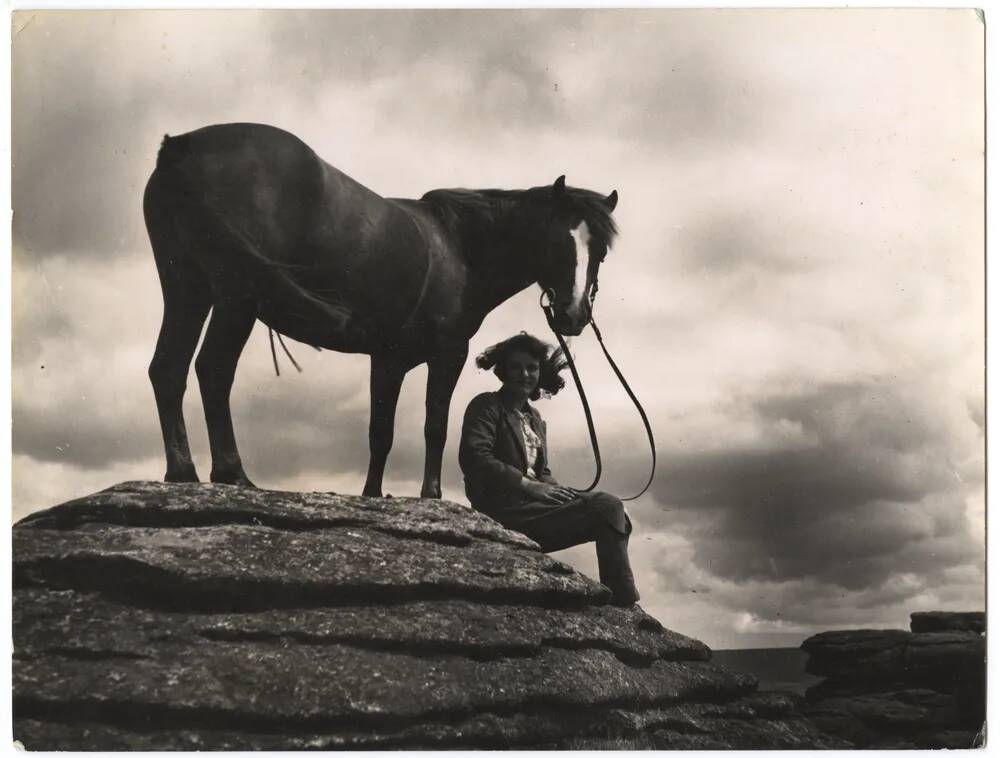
(352, 333)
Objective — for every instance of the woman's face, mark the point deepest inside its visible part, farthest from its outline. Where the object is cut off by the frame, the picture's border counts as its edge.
(520, 373)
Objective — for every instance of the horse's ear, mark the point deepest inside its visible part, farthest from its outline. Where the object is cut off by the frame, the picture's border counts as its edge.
(559, 186)
(611, 200)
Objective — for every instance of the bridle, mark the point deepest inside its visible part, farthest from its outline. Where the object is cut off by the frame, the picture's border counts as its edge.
(549, 310)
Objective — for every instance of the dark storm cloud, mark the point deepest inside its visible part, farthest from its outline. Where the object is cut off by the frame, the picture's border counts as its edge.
(281, 435)
(62, 143)
(856, 486)
(85, 414)
(65, 147)
(892, 592)
(83, 132)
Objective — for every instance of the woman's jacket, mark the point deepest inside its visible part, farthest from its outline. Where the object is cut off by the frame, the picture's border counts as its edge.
(492, 453)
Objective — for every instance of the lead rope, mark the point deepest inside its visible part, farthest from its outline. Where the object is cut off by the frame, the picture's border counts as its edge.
(638, 407)
(549, 315)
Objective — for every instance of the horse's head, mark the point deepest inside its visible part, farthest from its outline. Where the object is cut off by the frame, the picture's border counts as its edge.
(579, 233)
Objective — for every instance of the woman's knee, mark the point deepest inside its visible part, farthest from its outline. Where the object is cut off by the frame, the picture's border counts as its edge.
(611, 508)
(609, 503)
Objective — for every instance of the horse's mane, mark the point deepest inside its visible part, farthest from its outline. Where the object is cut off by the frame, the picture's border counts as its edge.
(465, 211)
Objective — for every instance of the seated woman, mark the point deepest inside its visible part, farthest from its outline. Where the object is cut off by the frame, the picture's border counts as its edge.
(505, 461)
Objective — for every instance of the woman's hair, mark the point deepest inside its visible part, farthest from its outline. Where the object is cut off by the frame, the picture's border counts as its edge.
(550, 361)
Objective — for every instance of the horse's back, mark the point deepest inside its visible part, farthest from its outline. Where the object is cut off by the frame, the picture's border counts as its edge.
(225, 138)
(276, 194)
(235, 161)
(268, 181)
(252, 151)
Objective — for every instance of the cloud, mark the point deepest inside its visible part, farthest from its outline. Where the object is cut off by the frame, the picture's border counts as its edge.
(725, 612)
(847, 483)
(86, 125)
(688, 595)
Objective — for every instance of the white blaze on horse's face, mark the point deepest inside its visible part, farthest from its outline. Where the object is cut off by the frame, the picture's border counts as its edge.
(581, 241)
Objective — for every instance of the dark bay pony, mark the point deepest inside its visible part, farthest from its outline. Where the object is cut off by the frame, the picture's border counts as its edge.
(247, 222)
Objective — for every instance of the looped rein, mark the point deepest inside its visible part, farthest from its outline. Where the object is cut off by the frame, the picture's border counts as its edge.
(548, 310)
(549, 316)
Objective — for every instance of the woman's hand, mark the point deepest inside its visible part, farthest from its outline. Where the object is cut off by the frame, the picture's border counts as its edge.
(548, 493)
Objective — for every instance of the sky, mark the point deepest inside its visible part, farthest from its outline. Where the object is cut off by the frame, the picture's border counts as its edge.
(796, 295)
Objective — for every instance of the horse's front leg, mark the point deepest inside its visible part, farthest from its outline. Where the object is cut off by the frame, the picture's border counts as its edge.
(443, 371)
(387, 374)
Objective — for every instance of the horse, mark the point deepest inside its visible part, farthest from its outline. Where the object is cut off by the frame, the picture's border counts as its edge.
(248, 222)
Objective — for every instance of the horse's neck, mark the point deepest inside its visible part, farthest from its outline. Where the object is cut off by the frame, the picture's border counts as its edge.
(507, 260)
(495, 287)
(501, 251)
(493, 282)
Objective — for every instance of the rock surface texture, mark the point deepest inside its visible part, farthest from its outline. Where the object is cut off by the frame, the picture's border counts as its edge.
(925, 688)
(182, 616)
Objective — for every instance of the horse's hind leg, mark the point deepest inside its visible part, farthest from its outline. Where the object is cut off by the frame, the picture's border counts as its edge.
(387, 374)
(186, 302)
(228, 331)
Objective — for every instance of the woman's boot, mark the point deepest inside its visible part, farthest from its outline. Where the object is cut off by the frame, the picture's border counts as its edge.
(615, 569)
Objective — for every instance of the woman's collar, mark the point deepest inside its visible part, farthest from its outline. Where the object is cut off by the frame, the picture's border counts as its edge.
(525, 408)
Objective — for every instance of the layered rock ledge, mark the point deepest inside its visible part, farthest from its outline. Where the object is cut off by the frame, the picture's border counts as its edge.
(892, 688)
(172, 616)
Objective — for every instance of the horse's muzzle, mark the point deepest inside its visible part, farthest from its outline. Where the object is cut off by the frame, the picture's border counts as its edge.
(567, 325)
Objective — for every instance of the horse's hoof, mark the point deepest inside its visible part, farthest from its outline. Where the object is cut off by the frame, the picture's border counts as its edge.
(237, 478)
(180, 477)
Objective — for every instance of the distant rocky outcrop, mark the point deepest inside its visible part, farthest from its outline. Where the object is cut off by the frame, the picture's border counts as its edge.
(152, 616)
(923, 688)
